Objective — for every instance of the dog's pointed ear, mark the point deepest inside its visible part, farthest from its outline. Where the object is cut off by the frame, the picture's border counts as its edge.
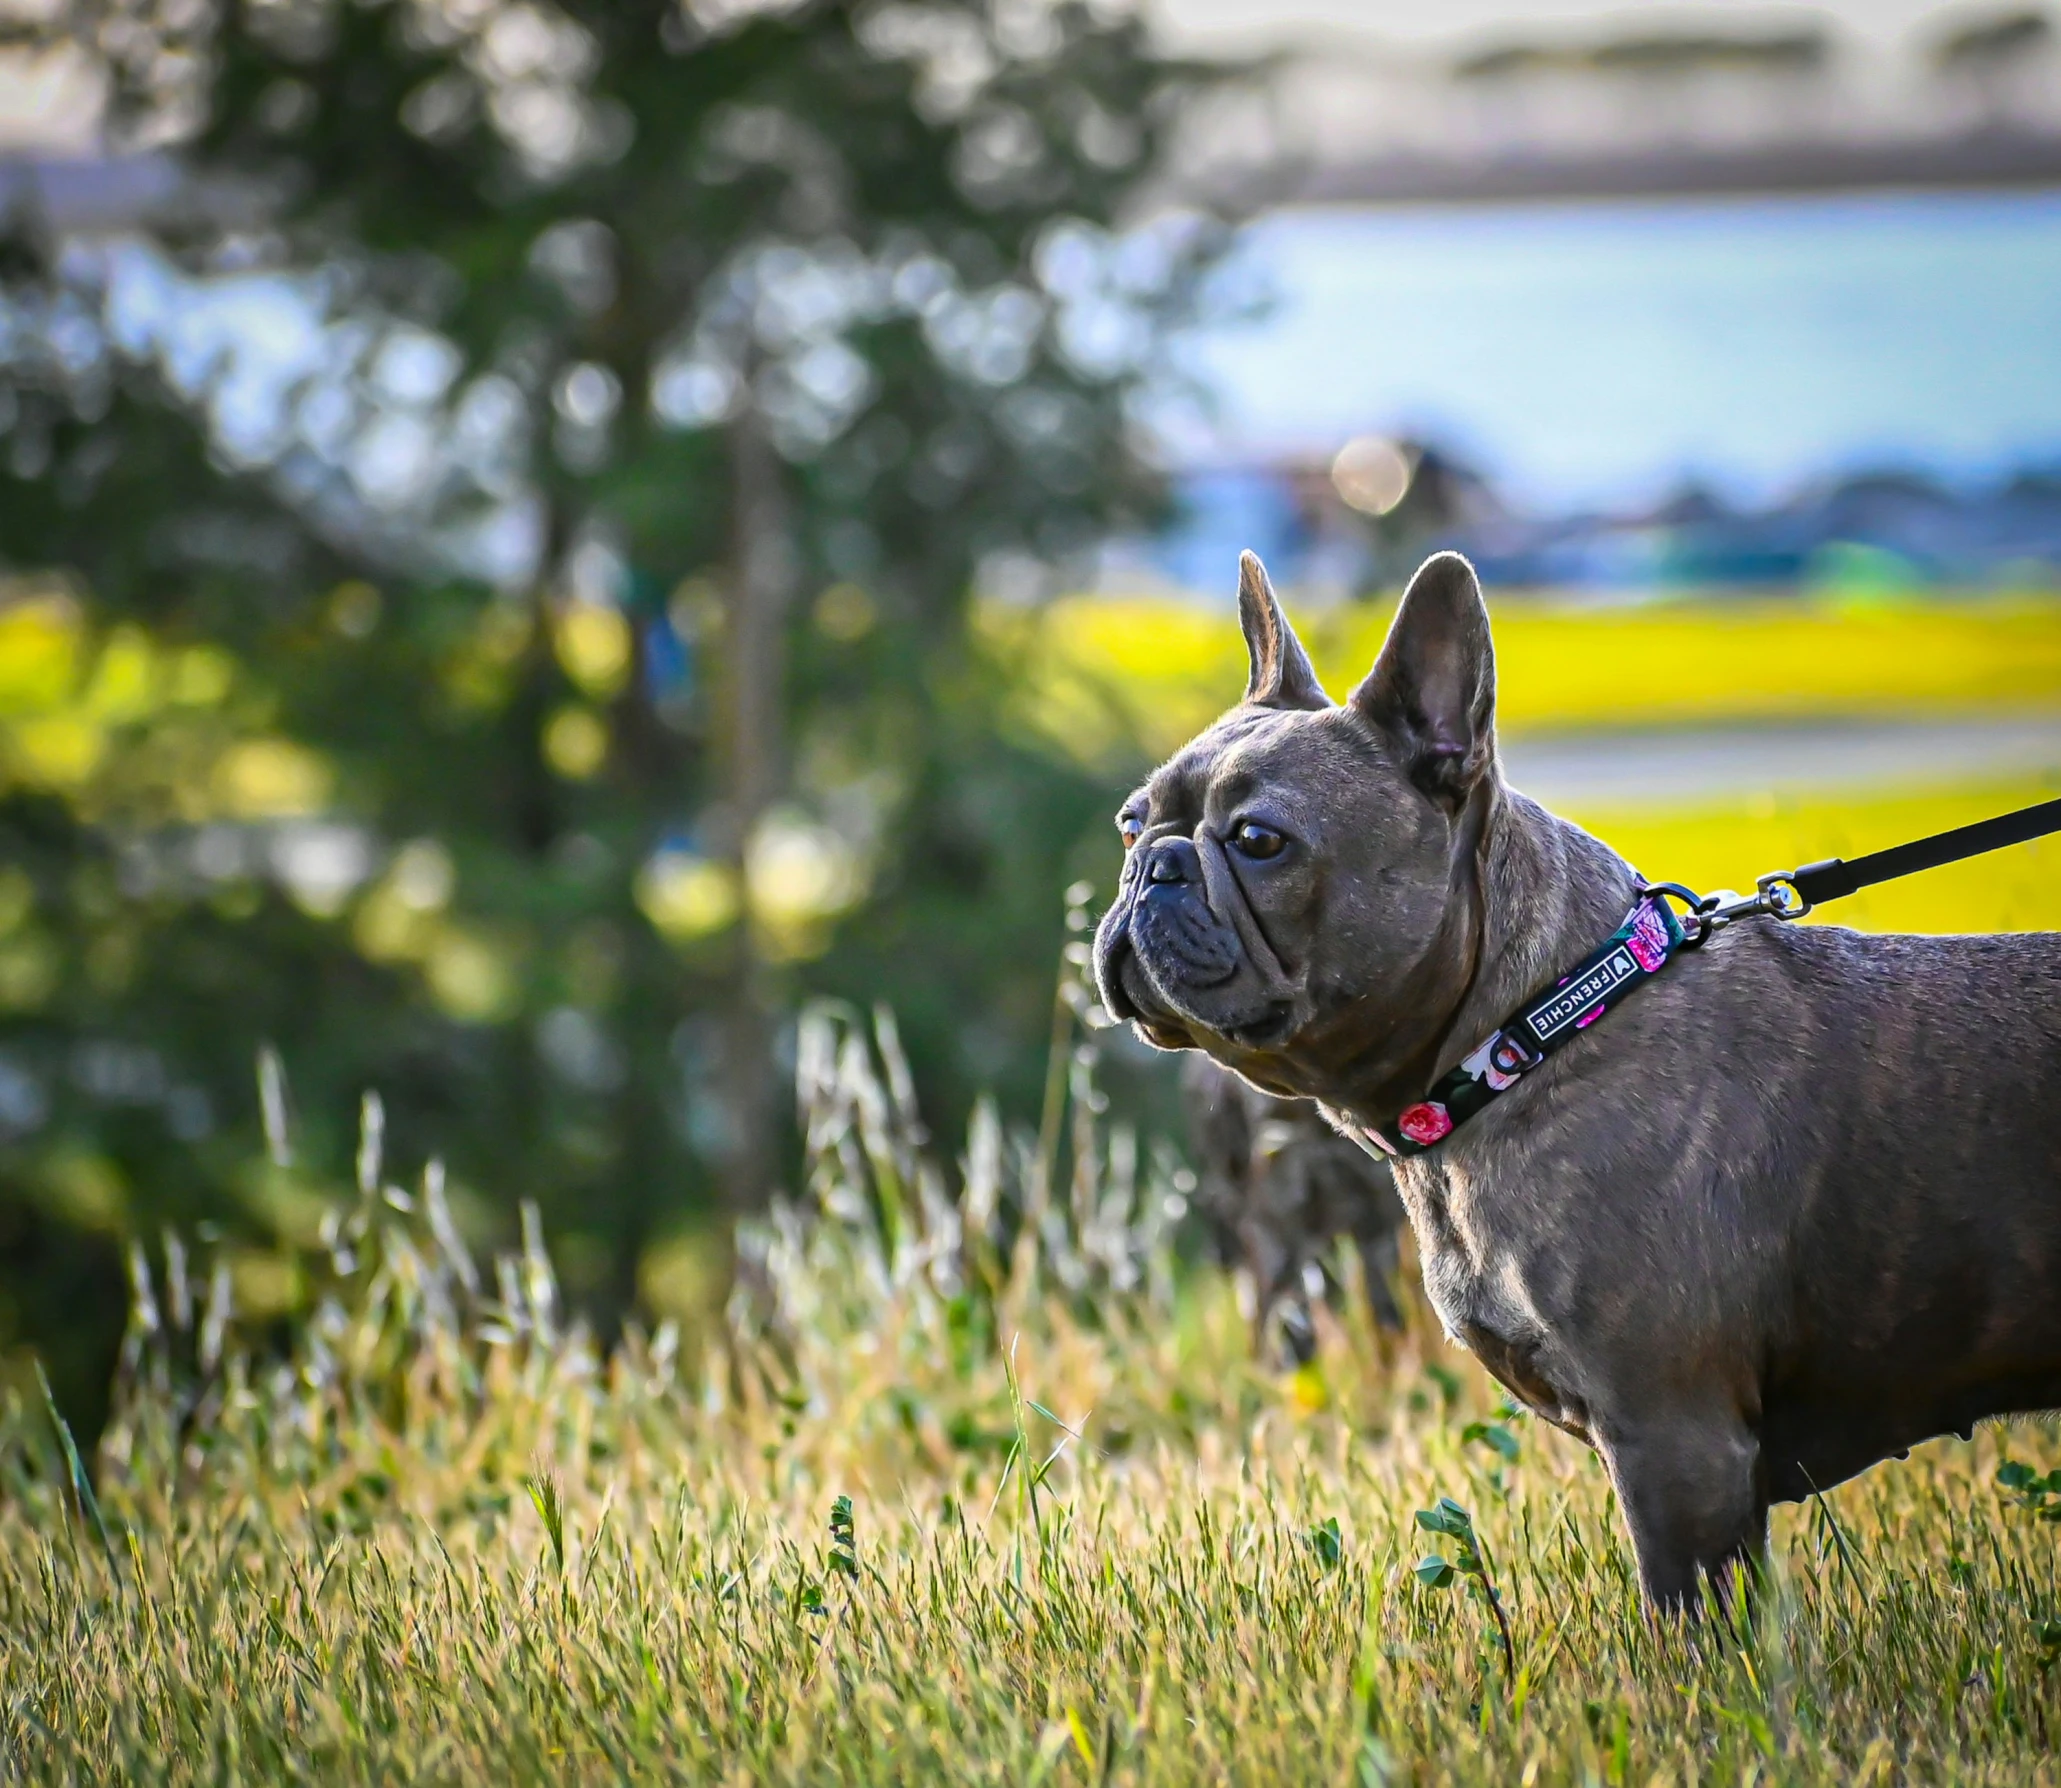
(1433, 687)
(1281, 674)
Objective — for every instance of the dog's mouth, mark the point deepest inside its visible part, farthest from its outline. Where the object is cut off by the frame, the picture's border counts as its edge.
(1181, 976)
(1273, 1025)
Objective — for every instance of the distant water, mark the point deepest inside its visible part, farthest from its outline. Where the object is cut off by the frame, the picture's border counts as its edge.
(1607, 353)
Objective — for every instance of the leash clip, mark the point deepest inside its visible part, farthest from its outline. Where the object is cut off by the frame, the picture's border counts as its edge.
(1776, 896)
(1696, 926)
(1780, 895)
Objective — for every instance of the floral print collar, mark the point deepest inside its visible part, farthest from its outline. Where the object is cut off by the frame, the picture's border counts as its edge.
(1635, 952)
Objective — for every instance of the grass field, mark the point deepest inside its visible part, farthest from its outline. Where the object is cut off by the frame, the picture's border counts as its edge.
(977, 1477)
(973, 1483)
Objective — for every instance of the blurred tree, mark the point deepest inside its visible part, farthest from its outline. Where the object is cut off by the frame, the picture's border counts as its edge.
(489, 551)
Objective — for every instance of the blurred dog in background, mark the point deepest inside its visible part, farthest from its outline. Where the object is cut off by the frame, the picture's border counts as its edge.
(1278, 1188)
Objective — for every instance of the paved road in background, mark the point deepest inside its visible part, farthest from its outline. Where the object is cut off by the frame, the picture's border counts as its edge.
(1701, 765)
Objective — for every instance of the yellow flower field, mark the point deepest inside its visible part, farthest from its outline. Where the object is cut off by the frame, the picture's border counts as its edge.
(1728, 845)
(1117, 681)
(1105, 674)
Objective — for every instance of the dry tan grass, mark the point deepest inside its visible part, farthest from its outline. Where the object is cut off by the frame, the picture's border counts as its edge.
(444, 1540)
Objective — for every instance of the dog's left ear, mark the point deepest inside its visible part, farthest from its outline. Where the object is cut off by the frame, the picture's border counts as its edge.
(1281, 675)
(1433, 687)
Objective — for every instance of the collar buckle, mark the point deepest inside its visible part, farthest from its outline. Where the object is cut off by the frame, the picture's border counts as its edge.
(1512, 1052)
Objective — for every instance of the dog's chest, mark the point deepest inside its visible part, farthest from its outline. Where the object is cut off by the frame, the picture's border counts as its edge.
(1475, 1279)
(1465, 1267)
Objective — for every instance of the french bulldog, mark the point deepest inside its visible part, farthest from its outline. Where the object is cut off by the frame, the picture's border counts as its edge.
(1788, 1210)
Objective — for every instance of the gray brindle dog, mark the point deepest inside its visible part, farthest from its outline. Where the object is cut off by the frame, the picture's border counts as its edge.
(1793, 1208)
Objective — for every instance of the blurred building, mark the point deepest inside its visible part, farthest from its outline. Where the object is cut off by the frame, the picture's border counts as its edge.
(1359, 103)
(1878, 531)
(1823, 398)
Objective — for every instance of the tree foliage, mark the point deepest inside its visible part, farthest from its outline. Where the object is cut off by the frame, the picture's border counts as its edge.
(489, 543)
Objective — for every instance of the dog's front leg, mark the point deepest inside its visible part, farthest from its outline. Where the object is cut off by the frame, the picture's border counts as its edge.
(1689, 1483)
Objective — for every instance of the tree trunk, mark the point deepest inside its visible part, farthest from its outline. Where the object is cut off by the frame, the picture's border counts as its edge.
(759, 593)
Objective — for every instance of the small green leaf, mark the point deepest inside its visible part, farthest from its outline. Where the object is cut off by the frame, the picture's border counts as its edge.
(1492, 1435)
(1435, 1572)
(1326, 1541)
(1762, 1733)
(1377, 1763)
(2015, 1475)
(844, 1545)
(1448, 1518)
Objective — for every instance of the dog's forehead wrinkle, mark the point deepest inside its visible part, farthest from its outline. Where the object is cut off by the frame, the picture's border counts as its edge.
(1301, 760)
(1248, 742)
(1180, 787)
(1174, 790)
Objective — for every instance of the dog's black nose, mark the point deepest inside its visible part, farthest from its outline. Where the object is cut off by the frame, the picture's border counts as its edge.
(1173, 860)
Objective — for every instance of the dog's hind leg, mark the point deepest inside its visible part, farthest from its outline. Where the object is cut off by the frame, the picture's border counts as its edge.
(1692, 1493)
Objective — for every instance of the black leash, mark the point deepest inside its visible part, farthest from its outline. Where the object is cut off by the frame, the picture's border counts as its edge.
(1836, 878)
(1790, 893)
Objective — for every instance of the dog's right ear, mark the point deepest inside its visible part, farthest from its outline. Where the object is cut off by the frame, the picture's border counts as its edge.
(1281, 675)
(1433, 687)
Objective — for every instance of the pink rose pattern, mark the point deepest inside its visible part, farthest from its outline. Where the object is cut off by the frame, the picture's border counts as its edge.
(1648, 939)
(1424, 1124)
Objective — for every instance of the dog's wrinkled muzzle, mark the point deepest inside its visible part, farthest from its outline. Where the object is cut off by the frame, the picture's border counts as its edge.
(1162, 948)
(1115, 960)
(1180, 939)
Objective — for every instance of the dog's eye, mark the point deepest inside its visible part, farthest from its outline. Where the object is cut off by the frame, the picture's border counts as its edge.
(1252, 839)
(1130, 828)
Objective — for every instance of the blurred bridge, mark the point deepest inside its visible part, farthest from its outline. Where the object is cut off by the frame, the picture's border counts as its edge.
(1671, 105)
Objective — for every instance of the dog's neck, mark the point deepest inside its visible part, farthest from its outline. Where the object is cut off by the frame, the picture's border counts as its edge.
(1549, 893)
(1541, 895)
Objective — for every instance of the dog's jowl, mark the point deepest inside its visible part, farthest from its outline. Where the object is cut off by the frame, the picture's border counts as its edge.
(1789, 1210)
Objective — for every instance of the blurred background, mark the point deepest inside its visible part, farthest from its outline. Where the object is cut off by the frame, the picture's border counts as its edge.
(539, 536)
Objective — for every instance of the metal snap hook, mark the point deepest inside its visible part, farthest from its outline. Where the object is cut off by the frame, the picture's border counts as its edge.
(1781, 896)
